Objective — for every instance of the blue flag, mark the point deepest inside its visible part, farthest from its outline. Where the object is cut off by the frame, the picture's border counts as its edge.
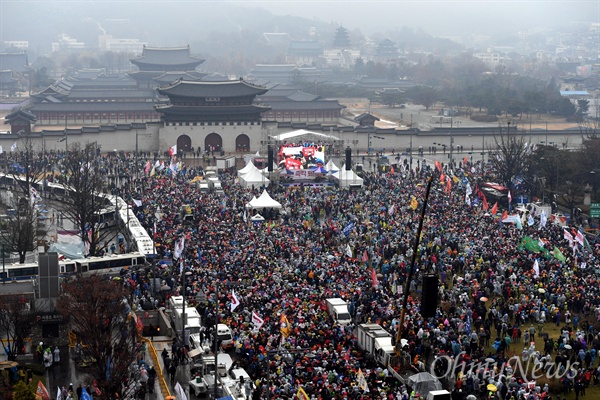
(85, 395)
(348, 228)
(108, 369)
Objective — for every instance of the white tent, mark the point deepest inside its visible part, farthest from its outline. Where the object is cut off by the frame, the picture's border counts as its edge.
(254, 177)
(264, 201)
(249, 167)
(331, 167)
(347, 178)
(303, 132)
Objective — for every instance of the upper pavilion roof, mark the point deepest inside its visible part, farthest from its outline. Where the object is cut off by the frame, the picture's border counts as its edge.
(237, 88)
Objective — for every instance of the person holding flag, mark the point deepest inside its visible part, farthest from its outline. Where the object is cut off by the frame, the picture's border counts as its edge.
(257, 320)
(234, 301)
(284, 326)
(173, 151)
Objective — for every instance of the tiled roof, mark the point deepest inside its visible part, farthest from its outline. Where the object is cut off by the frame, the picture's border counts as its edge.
(236, 88)
(166, 56)
(19, 114)
(110, 94)
(305, 105)
(172, 76)
(187, 110)
(93, 107)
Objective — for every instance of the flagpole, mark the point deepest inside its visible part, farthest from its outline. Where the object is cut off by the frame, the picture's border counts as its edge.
(183, 322)
(412, 265)
(216, 331)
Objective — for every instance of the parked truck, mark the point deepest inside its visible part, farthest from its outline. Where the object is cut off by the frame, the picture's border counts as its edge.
(189, 326)
(376, 341)
(225, 162)
(203, 370)
(338, 310)
(439, 395)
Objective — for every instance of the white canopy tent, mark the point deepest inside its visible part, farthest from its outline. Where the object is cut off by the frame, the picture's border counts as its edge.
(264, 201)
(303, 132)
(331, 167)
(254, 177)
(247, 168)
(347, 178)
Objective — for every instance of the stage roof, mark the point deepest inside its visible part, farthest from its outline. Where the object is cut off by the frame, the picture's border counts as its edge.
(303, 132)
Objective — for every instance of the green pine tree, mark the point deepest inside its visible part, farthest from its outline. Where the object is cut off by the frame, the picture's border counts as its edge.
(22, 392)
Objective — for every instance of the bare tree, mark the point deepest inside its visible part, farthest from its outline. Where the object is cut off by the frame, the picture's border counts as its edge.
(510, 158)
(103, 323)
(86, 199)
(28, 169)
(19, 230)
(16, 321)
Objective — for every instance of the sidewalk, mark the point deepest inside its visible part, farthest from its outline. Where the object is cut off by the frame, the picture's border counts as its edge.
(153, 357)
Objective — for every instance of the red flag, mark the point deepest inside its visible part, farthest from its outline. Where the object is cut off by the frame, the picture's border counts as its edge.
(448, 186)
(438, 166)
(42, 391)
(374, 277)
(392, 169)
(465, 160)
(365, 256)
(504, 215)
(485, 204)
(442, 178)
(495, 209)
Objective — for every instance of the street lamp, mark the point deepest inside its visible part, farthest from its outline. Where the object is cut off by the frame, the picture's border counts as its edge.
(451, 142)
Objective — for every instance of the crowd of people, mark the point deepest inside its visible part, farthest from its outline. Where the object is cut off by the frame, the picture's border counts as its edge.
(495, 294)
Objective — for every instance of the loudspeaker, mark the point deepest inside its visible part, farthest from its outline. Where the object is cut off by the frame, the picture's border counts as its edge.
(429, 296)
(270, 159)
(348, 159)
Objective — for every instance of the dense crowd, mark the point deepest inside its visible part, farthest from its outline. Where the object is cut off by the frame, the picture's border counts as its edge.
(494, 292)
(300, 256)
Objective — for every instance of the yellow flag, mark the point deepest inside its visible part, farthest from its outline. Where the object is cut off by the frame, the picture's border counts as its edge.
(413, 203)
(362, 381)
(455, 179)
(284, 326)
(301, 395)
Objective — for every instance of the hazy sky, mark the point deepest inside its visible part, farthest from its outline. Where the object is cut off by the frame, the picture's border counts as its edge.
(440, 17)
(182, 21)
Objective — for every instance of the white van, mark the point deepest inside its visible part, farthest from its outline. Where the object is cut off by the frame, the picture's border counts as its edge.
(224, 336)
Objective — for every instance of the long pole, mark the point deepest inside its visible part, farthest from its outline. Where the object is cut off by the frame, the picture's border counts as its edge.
(411, 133)
(412, 264)
(482, 154)
(183, 315)
(216, 336)
(451, 143)
(136, 153)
